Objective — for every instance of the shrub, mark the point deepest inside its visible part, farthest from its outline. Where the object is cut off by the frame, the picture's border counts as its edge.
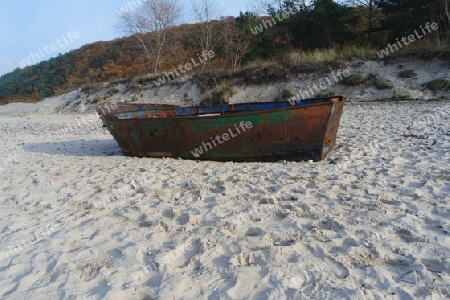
(438, 85)
(407, 73)
(382, 84)
(286, 94)
(325, 94)
(356, 79)
(398, 96)
(221, 94)
(96, 99)
(112, 91)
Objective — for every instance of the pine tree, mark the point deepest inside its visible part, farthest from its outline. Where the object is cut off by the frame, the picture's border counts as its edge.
(403, 17)
(323, 24)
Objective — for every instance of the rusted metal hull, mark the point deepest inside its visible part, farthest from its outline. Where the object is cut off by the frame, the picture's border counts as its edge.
(242, 132)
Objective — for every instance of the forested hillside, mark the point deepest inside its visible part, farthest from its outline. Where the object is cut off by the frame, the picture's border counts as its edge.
(359, 27)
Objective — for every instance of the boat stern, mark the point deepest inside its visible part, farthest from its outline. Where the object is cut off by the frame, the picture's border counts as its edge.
(333, 125)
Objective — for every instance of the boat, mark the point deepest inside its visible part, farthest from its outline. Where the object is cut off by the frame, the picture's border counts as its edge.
(243, 132)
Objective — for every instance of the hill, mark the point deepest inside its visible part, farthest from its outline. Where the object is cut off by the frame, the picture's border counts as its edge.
(311, 37)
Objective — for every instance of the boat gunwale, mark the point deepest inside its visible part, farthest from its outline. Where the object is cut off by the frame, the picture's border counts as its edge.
(113, 116)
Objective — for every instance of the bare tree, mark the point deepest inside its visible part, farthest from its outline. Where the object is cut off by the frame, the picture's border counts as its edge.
(205, 12)
(447, 9)
(446, 13)
(149, 23)
(236, 42)
(370, 13)
(262, 7)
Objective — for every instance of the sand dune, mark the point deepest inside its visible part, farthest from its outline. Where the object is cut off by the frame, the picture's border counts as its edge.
(371, 222)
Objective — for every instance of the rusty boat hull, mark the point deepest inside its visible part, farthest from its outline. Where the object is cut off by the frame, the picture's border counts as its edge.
(263, 131)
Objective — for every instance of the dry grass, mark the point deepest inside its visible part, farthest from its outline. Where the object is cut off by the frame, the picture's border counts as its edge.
(431, 46)
(16, 99)
(323, 56)
(315, 59)
(261, 64)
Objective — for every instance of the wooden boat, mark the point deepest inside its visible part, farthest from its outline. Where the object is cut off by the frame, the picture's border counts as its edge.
(262, 131)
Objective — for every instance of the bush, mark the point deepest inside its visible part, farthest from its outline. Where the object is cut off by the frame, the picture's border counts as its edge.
(383, 84)
(398, 96)
(438, 85)
(221, 94)
(407, 73)
(325, 94)
(356, 79)
(286, 94)
(112, 91)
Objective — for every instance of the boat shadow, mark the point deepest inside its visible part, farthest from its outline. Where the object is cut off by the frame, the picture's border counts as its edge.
(91, 148)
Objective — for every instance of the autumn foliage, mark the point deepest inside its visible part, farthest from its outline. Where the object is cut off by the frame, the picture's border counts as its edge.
(325, 25)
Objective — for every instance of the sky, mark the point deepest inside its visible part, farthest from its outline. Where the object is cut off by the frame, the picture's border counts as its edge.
(49, 27)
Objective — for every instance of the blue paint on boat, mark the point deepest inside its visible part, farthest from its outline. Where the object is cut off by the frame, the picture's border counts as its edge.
(223, 108)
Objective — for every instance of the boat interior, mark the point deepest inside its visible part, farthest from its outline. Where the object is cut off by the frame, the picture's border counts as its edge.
(143, 110)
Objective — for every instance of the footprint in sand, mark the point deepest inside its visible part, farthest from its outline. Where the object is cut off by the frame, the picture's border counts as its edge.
(398, 260)
(408, 236)
(182, 255)
(330, 224)
(315, 282)
(254, 231)
(90, 269)
(437, 265)
(246, 259)
(183, 219)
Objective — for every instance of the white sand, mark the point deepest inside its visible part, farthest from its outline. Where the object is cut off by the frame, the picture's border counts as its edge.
(371, 222)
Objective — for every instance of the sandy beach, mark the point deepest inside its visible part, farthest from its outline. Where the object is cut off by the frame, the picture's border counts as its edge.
(80, 221)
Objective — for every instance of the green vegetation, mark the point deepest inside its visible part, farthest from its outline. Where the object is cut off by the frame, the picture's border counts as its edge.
(219, 95)
(398, 96)
(81, 68)
(356, 79)
(286, 94)
(309, 38)
(382, 84)
(439, 85)
(407, 73)
(325, 95)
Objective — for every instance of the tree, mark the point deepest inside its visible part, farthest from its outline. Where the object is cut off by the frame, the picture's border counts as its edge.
(323, 24)
(446, 17)
(446, 5)
(259, 7)
(370, 12)
(205, 13)
(150, 24)
(403, 17)
(236, 42)
(262, 44)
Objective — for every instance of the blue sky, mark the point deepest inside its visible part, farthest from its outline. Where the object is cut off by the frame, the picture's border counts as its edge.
(29, 26)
